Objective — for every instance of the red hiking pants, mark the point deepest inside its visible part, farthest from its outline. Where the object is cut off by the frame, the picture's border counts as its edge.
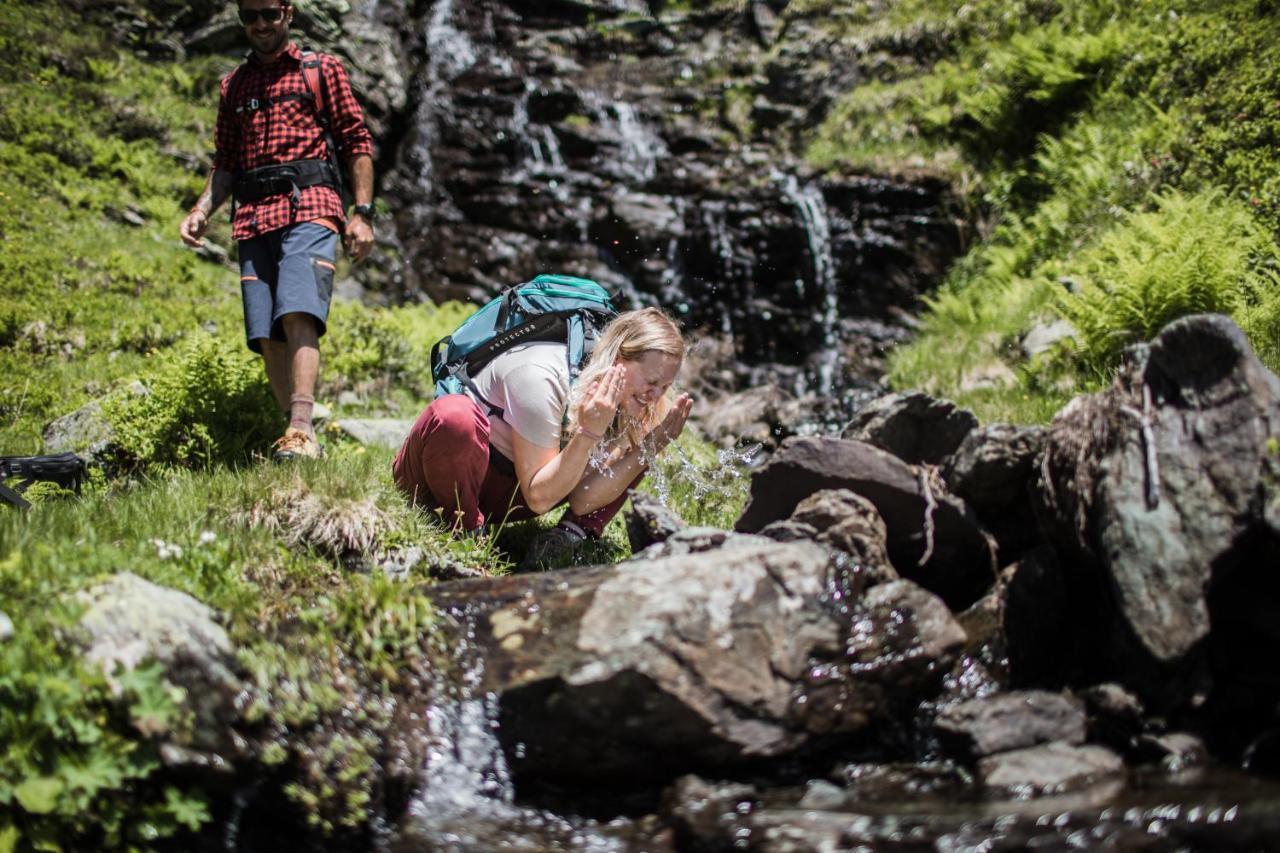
(445, 463)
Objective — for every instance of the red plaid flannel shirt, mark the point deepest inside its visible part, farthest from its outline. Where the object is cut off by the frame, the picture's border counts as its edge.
(283, 132)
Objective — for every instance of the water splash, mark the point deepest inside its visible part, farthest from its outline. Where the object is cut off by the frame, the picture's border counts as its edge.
(701, 481)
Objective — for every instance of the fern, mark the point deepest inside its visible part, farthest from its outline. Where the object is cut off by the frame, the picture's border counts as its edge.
(1191, 254)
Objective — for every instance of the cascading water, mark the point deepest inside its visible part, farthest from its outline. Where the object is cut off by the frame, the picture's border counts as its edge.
(542, 158)
(465, 798)
(812, 207)
(641, 147)
(449, 53)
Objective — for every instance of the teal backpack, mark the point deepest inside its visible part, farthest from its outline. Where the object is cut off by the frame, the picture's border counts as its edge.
(549, 308)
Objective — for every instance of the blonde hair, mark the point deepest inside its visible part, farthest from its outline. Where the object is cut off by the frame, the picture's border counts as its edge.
(627, 338)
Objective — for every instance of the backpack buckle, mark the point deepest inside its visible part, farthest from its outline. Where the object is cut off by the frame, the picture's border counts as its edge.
(253, 104)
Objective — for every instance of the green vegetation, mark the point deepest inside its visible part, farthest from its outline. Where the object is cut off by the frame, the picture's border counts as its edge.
(1126, 150)
(100, 154)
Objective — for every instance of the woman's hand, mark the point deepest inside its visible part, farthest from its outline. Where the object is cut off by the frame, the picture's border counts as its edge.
(600, 405)
(673, 424)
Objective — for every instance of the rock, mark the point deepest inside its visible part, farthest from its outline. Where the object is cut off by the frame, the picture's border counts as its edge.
(696, 540)
(86, 430)
(1170, 513)
(907, 633)
(1115, 716)
(704, 812)
(1262, 755)
(647, 669)
(982, 727)
(821, 794)
(400, 564)
(650, 521)
(914, 427)
(6, 627)
(1174, 751)
(993, 469)
(1042, 337)
(377, 432)
(788, 531)
(870, 783)
(1036, 620)
(850, 523)
(992, 465)
(959, 556)
(747, 416)
(768, 25)
(129, 621)
(1051, 768)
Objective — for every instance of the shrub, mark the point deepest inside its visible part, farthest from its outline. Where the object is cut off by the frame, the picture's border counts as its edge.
(1191, 254)
(375, 350)
(209, 403)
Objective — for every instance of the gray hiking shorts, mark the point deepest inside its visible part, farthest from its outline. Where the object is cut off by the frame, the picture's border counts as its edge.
(287, 271)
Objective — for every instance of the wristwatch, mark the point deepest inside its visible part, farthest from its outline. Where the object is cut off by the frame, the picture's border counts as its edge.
(366, 210)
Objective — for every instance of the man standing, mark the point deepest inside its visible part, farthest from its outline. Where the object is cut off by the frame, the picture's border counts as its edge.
(280, 116)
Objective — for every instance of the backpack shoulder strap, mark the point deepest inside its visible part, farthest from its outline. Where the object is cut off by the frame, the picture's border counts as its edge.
(312, 76)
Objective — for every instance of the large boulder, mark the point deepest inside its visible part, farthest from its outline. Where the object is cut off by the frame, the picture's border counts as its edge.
(1161, 494)
(658, 667)
(934, 538)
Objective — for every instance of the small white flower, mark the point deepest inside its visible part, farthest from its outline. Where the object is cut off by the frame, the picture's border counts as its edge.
(208, 537)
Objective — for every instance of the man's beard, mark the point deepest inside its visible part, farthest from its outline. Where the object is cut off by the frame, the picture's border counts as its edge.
(272, 45)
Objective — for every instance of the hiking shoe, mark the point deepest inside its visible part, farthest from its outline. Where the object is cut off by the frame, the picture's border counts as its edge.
(554, 548)
(296, 444)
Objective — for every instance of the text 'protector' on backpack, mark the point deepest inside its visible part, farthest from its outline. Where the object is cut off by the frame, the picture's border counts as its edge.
(549, 308)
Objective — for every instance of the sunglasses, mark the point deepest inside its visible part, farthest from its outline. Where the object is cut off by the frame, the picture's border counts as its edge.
(271, 16)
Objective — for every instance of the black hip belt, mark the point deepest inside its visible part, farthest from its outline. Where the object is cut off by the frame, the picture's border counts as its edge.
(291, 178)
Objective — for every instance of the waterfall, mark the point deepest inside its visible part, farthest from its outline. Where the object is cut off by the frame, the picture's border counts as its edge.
(641, 147)
(465, 798)
(539, 143)
(449, 53)
(812, 207)
(735, 287)
(449, 49)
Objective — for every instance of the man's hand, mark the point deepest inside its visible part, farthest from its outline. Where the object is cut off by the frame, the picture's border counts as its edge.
(673, 424)
(358, 238)
(193, 227)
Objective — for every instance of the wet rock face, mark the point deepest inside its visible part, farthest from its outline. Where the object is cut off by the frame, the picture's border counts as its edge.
(661, 666)
(606, 142)
(1161, 492)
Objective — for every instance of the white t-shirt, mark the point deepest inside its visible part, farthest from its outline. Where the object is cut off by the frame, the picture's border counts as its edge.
(530, 383)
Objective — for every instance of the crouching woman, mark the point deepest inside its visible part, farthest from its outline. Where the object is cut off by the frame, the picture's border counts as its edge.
(534, 441)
